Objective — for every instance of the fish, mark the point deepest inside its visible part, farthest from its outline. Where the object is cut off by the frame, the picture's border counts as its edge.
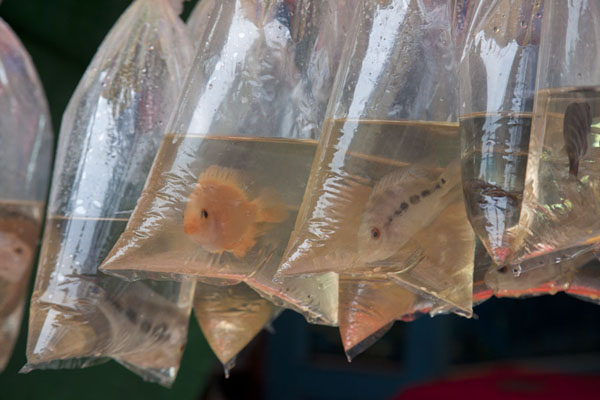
(220, 217)
(548, 273)
(15, 257)
(402, 203)
(18, 239)
(577, 126)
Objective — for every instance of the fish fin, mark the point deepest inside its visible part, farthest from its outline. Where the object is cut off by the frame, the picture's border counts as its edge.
(573, 166)
(270, 207)
(577, 125)
(403, 176)
(225, 175)
(242, 248)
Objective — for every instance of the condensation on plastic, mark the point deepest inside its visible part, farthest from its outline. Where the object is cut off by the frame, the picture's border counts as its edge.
(26, 143)
(230, 317)
(497, 77)
(560, 209)
(246, 123)
(109, 135)
(393, 106)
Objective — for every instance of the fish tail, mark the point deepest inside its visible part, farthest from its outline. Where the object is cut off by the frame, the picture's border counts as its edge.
(270, 207)
(573, 166)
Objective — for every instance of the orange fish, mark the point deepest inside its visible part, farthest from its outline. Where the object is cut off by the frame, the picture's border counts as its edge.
(219, 216)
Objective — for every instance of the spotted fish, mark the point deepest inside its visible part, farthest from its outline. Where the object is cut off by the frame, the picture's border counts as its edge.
(401, 204)
(576, 128)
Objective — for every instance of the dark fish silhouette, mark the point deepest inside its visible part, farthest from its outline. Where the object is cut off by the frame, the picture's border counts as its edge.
(576, 128)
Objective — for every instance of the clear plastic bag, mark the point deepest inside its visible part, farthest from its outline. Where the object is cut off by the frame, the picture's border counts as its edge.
(230, 317)
(239, 152)
(390, 148)
(497, 80)
(25, 156)
(109, 136)
(561, 200)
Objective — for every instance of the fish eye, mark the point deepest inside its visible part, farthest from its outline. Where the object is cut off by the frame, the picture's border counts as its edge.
(18, 250)
(375, 233)
(204, 213)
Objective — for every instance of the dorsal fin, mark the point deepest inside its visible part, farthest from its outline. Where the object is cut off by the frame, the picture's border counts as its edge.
(224, 175)
(402, 177)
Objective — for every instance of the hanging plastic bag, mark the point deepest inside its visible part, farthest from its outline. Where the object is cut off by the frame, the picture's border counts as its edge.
(561, 200)
(229, 178)
(388, 160)
(109, 136)
(26, 143)
(230, 317)
(497, 77)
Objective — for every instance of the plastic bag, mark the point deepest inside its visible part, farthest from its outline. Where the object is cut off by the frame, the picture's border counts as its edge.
(230, 317)
(497, 80)
(109, 136)
(25, 156)
(561, 200)
(388, 129)
(244, 134)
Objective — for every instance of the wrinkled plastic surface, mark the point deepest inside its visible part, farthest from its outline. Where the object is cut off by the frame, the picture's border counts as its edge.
(368, 309)
(243, 138)
(109, 136)
(388, 130)
(497, 80)
(25, 158)
(561, 201)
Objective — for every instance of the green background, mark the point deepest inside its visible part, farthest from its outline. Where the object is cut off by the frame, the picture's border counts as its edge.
(62, 36)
